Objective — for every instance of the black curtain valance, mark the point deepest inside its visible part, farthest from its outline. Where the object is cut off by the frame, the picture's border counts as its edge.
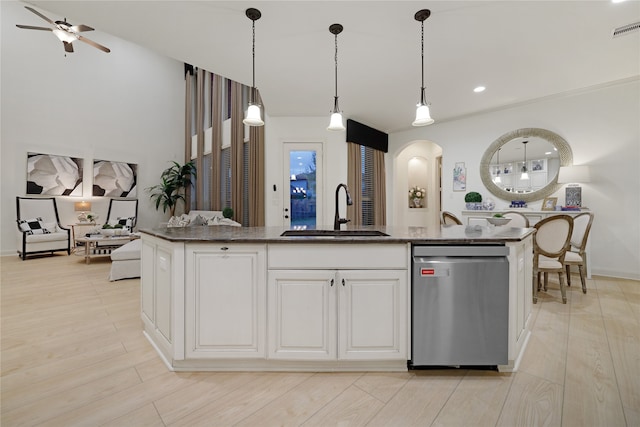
(367, 136)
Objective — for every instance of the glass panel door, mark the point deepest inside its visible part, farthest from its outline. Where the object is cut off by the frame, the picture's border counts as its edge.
(303, 163)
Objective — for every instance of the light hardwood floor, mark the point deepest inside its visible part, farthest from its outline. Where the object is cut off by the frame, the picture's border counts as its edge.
(73, 354)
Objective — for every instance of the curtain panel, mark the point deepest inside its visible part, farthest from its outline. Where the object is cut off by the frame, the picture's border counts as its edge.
(216, 144)
(208, 93)
(237, 141)
(188, 113)
(380, 189)
(354, 182)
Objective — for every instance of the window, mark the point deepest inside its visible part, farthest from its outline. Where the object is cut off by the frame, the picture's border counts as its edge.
(368, 193)
(225, 178)
(245, 185)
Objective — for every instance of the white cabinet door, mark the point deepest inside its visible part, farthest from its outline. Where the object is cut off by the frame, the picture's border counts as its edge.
(225, 300)
(372, 314)
(337, 314)
(302, 314)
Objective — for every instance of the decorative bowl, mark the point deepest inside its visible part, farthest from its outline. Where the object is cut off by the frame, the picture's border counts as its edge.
(498, 220)
(110, 232)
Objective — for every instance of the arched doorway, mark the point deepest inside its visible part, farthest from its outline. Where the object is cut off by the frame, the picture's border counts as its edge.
(417, 167)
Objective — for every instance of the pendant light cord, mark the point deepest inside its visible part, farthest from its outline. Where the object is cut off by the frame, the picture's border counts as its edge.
(422, 52)
(336, 63)
(253, 60)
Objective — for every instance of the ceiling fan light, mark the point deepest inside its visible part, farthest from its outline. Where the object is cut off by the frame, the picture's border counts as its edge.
(253, 117)
(65, 36)
(423, 117)
(336, 122)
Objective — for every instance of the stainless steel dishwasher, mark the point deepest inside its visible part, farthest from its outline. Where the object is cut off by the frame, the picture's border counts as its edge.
(460, 306)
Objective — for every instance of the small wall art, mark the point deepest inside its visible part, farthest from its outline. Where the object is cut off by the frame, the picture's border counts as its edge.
(549, 203)
(459, 177)
(114, 179)
(52, 175)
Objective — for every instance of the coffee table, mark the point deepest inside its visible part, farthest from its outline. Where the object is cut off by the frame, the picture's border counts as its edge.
(102, 242)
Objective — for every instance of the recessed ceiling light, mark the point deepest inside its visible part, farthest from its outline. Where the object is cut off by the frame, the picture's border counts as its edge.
(479, 89)
(617, 1)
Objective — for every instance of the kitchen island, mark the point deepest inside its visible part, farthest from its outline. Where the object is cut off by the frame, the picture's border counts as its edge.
(235, 298)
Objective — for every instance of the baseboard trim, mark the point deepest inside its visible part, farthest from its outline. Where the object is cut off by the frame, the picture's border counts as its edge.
(615, 274)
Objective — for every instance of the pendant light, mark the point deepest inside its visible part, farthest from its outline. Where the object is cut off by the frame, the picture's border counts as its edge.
(336, 115)
(254, 113)
(497, 179)
(525, 174)
(423, 117)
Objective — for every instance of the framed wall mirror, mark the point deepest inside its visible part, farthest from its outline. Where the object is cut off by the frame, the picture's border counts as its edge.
(523, 164)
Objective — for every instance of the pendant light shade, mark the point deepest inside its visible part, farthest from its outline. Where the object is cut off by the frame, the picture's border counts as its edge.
(336, 116)
(525, 174)
(254, 112)
(423, 116)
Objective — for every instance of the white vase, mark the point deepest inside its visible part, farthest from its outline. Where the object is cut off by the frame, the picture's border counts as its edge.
(417, 202)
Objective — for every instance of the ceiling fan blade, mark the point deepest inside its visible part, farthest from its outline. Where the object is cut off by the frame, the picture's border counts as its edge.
(68, 47)
(80, 28)
(40, 15)
(94, 44)
(31, 27)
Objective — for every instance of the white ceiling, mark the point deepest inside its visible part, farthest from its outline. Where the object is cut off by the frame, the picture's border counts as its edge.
(519, 50)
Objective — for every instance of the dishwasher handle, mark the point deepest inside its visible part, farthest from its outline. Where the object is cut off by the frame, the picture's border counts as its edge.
(432, 271)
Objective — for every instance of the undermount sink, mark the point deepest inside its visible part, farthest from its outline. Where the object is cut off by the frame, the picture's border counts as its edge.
(334, 233)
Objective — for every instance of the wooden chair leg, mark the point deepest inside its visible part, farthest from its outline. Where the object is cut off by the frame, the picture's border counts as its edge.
(568, 267)
(582, 278)
(536, 283)
(563, 291)
(546, 281)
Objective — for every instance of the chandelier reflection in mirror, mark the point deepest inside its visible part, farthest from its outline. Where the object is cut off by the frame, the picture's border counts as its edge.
(524, 170)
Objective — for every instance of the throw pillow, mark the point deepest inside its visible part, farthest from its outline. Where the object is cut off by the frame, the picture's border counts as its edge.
(126, 222)
(198, 220)
(33, 226)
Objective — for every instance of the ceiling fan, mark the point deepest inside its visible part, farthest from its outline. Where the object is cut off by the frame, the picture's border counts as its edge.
(66, 32)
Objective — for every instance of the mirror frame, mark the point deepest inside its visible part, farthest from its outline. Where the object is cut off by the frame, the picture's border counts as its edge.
(564, 153)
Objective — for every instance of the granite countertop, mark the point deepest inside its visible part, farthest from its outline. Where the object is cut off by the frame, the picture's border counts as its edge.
(450, 234)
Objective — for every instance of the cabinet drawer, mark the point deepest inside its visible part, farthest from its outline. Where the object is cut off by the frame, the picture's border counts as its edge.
(338, 256)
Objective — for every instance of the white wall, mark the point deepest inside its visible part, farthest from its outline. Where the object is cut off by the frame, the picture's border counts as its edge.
(603, 129)
(127, 105)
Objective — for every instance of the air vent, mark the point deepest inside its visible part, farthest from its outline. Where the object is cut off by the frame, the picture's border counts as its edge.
(627, 29)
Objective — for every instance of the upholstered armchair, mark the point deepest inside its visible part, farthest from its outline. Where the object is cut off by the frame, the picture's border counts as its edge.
(124, 212)
(38, 227)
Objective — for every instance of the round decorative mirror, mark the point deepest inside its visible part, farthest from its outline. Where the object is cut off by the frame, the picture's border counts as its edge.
(524, 164)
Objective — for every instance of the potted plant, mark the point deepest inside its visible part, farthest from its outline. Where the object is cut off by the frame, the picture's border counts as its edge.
(227, 213)
(473, 200)
(175, 181)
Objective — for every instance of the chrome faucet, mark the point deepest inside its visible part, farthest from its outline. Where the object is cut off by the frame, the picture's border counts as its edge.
(337, 220)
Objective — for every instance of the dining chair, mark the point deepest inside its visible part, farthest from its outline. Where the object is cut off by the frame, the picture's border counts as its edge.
(447, 218)
(576, 255)
(517, 219)
(551, 241)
